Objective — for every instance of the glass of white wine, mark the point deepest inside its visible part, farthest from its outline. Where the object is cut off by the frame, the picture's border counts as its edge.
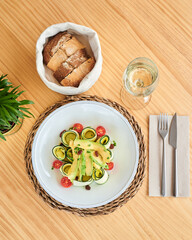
(139, 80)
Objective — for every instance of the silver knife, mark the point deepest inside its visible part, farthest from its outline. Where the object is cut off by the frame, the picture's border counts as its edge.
(173, 143)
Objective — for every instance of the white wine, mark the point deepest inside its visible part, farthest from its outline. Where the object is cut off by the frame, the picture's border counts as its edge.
(138, 78)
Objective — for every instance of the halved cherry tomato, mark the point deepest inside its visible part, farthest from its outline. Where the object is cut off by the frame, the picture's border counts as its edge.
(100, 131)
(57, 164)
(110, 165)
(65, 182)
(78, 127)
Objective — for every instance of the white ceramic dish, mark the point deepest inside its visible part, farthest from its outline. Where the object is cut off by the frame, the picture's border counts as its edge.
(85, 35)
(93, 114)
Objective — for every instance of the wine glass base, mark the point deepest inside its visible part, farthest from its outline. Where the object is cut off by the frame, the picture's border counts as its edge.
(134, 102)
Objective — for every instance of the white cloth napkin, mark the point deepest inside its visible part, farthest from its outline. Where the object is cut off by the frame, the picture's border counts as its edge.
(86, 36)
(155, 158)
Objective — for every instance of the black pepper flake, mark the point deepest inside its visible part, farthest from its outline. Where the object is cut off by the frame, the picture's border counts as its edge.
(87, 187)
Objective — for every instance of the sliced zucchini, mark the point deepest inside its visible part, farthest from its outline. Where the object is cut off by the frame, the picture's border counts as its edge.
(88, 181)
(86, 178)
(103, 179)
(98, 174)
(64, 169)
(111, 154)
(89, 134)
(104, 140)
(69, 135)
(59, 152)
(69, 154)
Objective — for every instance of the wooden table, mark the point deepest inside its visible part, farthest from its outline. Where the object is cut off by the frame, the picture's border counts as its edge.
(160, 30)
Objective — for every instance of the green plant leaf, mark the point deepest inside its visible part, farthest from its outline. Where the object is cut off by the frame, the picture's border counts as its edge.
(10, 97)
(4, 91)
(14, 89)
(18, 94)
(10, 110)
(2, 136)
(7, 115)
(25, 102)
(14, 117)
(25, 110)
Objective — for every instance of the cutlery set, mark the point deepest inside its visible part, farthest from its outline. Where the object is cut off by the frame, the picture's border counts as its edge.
(163, 132)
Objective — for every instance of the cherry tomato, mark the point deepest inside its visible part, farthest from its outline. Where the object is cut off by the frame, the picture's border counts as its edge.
(110, 165)
(57, 164)
(65, 182)
(78, 127)
(100, 131)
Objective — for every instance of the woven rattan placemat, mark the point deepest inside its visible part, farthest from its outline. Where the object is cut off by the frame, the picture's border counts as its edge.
(111, 206)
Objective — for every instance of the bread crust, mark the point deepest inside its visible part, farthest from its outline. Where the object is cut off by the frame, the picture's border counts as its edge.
(68, 59)
(71, 46)
(64, 69)
(54, 44)
(58, 58)
(77, 58)
(76, 76)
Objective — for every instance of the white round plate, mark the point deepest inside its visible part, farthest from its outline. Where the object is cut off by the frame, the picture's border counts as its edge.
(88, 113)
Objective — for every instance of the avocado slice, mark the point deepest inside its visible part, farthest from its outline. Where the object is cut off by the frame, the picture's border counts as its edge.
(82, 166)
(73, 171)
(87, 145)
(98, 160)
(89, 164)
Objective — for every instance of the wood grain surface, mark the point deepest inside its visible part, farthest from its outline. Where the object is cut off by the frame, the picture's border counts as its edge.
(160, 30)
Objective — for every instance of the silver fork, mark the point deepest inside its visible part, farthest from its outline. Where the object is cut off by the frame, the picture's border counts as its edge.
(163, 131)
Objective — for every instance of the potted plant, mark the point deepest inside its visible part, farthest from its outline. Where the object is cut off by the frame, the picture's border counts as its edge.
(12, 111)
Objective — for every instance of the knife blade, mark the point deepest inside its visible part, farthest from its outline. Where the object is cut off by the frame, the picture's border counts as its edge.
(173, 132)
(173, 143)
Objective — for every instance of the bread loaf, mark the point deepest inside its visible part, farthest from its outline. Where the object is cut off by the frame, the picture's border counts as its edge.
(71, 46)
(77, 58)
(76, 76)
(54, 44)
(68, 59)
(64, 69)
(56, 60)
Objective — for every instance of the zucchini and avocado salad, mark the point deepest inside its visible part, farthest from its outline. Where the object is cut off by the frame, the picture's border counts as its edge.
(84, 156)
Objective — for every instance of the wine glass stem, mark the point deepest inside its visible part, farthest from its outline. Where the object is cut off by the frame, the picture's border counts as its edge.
(147, 98)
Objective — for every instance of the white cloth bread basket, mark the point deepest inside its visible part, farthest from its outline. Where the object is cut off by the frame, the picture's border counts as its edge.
(89, 38)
